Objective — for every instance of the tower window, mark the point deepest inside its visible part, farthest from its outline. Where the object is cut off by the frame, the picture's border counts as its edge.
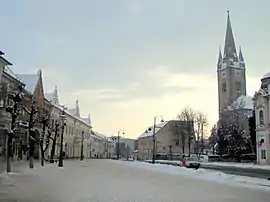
(261, 119)
(224, 87)
(238, 86)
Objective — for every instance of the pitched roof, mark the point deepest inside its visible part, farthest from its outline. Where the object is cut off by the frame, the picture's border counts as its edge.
(3, 60)
(10, 72)
(150, 132)
(72, 115)
(30, 81)
(243, 102)
(98, 135)
(229, 47)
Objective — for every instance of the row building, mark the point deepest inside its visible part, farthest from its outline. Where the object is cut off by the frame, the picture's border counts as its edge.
(79, 136)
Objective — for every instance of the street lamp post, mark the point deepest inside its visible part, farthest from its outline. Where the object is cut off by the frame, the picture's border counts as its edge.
(154, 139)
(56, 129)
(82, 156)
(118, 144)
(63, 117)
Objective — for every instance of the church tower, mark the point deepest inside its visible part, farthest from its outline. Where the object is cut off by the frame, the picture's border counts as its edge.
(231, 71)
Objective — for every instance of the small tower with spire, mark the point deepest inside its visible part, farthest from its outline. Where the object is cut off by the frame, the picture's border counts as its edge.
(77, 109)
(89, 119)
(55, 99)
(231, 71)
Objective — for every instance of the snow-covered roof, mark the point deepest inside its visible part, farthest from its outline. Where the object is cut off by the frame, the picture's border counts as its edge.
(85, 119)
(98, 135)
(30, 81)
(49, 96)
(267, 75)
(10, 72)
(72, 111)
(243, 102)
(150, 132)
(75, 117)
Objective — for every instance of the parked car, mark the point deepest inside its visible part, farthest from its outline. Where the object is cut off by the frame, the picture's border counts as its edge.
(191, 162)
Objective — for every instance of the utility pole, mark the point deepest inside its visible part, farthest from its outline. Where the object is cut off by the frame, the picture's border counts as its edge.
(154, 142)
(154, 138)
(202, 146)
(118, 146)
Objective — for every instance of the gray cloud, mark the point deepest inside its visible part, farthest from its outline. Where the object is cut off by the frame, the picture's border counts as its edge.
(152, 92)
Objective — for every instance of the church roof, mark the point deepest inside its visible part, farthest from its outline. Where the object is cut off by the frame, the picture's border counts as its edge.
(219, 57)
(52, 97)
(242, 102)
(229, 47)
(241, 57)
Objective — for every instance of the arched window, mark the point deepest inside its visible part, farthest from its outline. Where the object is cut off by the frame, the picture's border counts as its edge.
(261, 119)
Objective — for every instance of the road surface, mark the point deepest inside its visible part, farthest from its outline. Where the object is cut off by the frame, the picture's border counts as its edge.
(109, 180)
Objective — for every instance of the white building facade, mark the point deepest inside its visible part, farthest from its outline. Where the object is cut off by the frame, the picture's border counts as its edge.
(78, 135)
(262, 112)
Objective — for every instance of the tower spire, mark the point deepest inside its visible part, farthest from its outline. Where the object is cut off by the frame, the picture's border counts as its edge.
(241, 58)
(77, 109)
(219, 57)
(55, 98)
(229, 48)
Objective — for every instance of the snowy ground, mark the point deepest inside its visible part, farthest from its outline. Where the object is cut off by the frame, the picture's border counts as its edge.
(239, 165)
(224, 164)
(119, 181)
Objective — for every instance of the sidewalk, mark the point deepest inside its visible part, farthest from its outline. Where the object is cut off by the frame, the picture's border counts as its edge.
(15, 165)
(2, 164)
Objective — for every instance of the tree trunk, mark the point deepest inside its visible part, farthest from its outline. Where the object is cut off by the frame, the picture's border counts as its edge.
(41, 142)
(53, 149)
(42, 156)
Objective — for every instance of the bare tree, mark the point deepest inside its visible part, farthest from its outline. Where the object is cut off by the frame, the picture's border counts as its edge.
(200, 123)
(187, 114)
(197, 119)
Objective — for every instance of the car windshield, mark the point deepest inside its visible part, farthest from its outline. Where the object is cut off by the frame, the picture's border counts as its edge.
(191, 159)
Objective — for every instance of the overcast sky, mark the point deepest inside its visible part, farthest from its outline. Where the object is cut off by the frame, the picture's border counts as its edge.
(129, 60)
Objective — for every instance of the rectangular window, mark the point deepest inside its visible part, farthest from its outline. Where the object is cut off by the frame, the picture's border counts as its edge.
(263, 154)
(238, 86)
(224, 87)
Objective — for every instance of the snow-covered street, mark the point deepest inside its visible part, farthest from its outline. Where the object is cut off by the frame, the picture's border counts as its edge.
(120, 181)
